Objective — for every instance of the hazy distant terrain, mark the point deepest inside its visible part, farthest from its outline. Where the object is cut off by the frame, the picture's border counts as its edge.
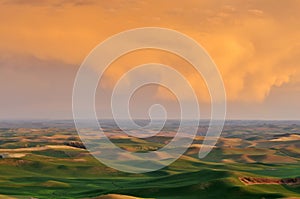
(252, 159)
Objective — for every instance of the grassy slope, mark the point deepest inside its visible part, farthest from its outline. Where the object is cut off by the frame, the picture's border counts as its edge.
(54, 174)
(60, 173)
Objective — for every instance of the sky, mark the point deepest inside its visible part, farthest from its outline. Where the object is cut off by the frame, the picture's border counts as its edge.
(255, 45)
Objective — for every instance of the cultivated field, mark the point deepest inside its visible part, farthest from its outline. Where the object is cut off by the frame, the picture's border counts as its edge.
(252, 159)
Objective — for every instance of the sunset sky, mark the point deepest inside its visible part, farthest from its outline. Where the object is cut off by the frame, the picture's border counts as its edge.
(255, 44)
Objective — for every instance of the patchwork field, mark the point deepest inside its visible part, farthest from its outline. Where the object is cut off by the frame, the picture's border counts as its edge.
(252, 159)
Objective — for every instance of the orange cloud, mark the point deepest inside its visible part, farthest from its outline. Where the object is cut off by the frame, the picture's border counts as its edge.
(255, 45)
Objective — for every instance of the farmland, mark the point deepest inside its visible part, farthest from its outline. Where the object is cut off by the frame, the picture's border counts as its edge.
(252, 159)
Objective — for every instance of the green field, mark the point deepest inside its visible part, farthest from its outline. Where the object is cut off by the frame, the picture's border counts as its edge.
(37, 163)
